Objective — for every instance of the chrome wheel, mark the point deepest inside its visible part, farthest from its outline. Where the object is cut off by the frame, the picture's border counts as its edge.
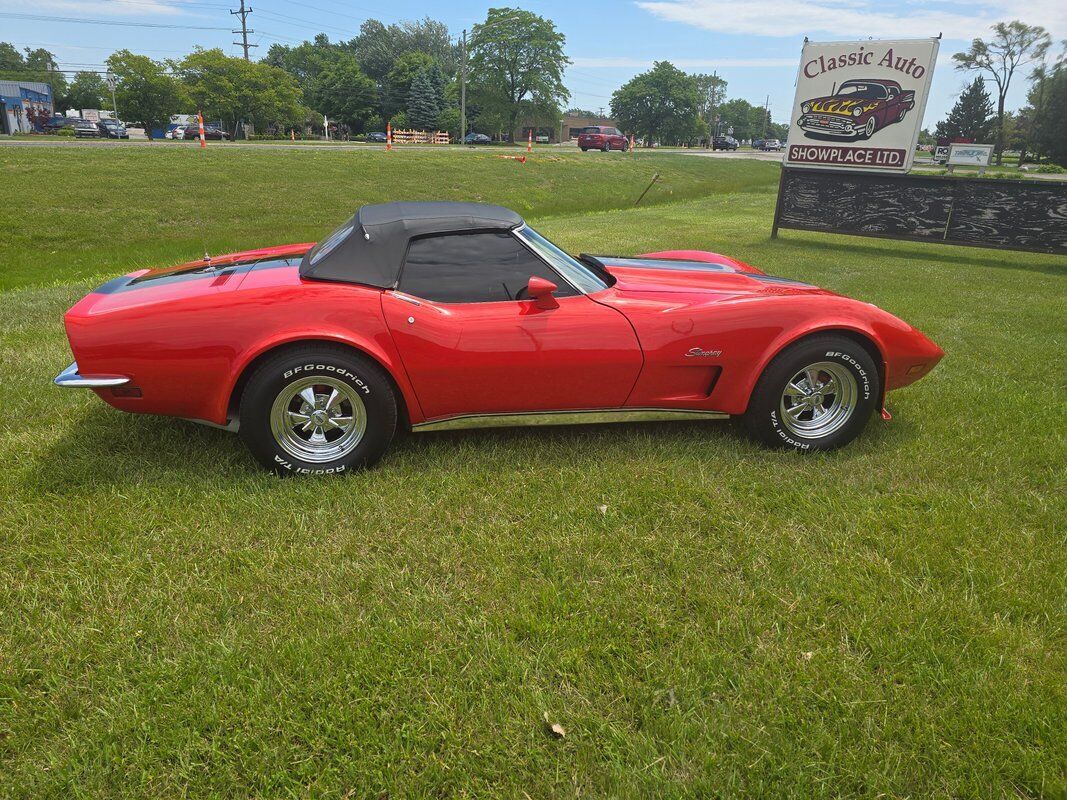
(818, 400)
(318, 419)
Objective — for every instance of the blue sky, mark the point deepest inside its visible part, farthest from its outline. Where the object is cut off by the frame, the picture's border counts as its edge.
(755, 46)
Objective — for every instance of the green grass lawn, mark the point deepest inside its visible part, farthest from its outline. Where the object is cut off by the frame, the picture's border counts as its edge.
(702, 616)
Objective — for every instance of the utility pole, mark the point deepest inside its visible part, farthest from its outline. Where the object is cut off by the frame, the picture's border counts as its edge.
(766, 115)
(244, 31)
(463, 91)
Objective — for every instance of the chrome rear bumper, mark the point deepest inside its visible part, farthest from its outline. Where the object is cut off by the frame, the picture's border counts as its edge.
(71, 379)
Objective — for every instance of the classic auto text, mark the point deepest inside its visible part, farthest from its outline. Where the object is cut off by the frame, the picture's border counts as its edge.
(863, 57)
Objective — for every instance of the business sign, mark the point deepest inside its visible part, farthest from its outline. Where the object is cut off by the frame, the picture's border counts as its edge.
(970, 155)
(91, 114)
(859, 105)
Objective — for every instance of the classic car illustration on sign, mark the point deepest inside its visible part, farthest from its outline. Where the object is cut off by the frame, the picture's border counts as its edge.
(856, 110)
(431, 316)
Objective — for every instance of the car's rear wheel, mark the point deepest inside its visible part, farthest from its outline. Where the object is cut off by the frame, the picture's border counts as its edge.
(817, 394)
(318, 410)
(607, 147)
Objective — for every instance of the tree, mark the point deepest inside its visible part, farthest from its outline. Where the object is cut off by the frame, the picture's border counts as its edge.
(145, 92)
(516, 64)
(87, 90)
(1045, 116)
(379, 46)
(712, 91)
(343, 92)
(1012, 45)
(306, 61)
(424, 102)
(972, 115)
(396, 88)
(232, 89)
(662, 104)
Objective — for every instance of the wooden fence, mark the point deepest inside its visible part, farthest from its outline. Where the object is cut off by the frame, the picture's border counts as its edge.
(421, 137)
(1007, 214)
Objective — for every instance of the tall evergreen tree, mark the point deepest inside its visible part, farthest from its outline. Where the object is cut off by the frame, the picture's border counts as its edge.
(972, 116)
(424, 104)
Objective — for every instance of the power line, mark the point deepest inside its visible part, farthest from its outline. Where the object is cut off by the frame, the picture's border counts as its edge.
(243, 14)
(44, 18)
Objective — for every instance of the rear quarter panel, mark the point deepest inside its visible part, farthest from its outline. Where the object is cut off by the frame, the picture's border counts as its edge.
(186, 351)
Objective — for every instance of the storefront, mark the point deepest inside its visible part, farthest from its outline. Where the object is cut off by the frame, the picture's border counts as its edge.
(24, 106)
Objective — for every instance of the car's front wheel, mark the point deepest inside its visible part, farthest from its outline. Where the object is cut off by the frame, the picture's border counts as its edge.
(318, 410)
(817, 394)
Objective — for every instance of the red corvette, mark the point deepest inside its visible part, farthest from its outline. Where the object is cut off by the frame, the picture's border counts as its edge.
(444, 315)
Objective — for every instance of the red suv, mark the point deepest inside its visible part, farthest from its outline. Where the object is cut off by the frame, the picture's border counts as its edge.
(601, 137)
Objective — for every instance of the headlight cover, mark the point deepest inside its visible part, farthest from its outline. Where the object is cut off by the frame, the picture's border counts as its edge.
(806, 108)
(857, 111)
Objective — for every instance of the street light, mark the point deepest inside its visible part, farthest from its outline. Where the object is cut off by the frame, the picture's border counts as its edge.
(111, 83)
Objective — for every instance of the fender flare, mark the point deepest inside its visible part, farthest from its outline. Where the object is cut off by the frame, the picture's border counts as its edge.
(390, 362)
(865, 336)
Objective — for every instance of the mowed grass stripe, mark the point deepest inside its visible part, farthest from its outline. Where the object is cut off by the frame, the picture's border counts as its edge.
(888, 619)
(87, 210)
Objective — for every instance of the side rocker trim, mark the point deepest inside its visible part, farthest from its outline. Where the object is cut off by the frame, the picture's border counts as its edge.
(565, 417)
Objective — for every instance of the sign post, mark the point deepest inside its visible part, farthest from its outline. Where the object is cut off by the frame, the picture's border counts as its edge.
(111, 84)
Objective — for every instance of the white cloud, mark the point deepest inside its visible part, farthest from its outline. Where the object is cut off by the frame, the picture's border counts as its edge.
(624, 62)
(835, 19)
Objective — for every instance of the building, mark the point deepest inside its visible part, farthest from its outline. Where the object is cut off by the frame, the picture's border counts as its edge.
(573, 124)
(570, 125)
(24, 105)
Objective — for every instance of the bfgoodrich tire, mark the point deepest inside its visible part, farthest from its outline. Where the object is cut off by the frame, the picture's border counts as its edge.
(817, 394)
(318, 410)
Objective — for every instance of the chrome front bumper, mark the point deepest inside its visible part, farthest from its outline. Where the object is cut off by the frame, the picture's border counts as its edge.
(71, 379)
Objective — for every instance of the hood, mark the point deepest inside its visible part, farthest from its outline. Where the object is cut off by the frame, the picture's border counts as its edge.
(645, 275)
(844, 106)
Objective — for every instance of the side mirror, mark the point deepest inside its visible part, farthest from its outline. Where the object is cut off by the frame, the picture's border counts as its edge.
(540, 290)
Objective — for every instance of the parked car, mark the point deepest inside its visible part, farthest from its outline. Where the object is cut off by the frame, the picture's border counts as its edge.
(84, 129)
(112, 129)
(211, 133)
(602, 137)
(476, 138)
(856, 110)
(59, 122)
(541, 138)
(757, 144)
(377, 136)
(434, 316)
(771, 144)
(724, 143)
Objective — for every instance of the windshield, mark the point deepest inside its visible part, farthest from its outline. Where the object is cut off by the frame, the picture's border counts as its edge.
(867, 91)
(583, 278)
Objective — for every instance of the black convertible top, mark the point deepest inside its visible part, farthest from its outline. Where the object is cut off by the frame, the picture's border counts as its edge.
(370, 247)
